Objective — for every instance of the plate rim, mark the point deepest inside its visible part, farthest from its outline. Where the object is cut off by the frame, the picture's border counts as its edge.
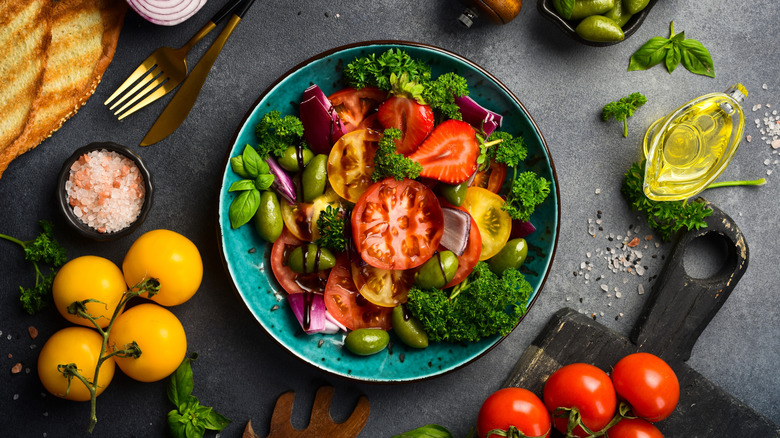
(401, 44)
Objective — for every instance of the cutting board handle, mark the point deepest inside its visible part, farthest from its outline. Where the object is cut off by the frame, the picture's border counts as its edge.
(679, 307)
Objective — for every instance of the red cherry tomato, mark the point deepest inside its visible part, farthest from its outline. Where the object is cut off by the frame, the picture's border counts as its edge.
(292, 282)
(492, 178)
(345, 303)
(633, 428)
(648, 384)
(397, 224)
(357, 108)
(585, 388)
(513, 407)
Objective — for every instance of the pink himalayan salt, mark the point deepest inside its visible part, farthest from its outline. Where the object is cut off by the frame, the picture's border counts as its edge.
(106, 190)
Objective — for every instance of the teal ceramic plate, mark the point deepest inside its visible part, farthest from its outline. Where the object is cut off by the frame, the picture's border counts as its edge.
(243, 251)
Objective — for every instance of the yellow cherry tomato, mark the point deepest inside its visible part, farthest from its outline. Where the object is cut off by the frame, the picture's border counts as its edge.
(159, 335)
(170, 258)
(89, 277)
(493, 222)
(80, 346)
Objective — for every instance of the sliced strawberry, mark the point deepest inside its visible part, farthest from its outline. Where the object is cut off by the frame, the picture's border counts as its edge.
(450, 153)
(414, 120)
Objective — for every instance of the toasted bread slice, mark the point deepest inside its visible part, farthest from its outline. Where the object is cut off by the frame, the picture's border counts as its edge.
(25, 32)
(84, 34)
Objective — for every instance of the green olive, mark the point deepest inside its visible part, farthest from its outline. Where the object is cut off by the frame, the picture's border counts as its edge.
(408, 328)
(454, 194)
(634, 6)
(586, 8)
(289, 160)
(268, 218)
(315, 178)
(618, 14)
(437, 271)
(512, 255)
(599, 28)
(366, 341)
(317, 259)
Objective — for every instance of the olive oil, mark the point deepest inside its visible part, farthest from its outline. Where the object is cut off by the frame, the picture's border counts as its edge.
(689, 148)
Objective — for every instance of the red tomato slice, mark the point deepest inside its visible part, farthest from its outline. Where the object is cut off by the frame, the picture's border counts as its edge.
(356, 106)
(397, 224)
(345, 303)
(492, 178)
(292, 282)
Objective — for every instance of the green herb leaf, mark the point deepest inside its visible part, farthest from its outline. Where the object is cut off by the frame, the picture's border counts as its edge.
(508, 150)
(528, 190)
(623, 109)
(253, 163)
(215, 421)
(696, 58)
(389, 163)
(650, 54)
(243, 207)
(672, 51)
(180, 384)
(240, 185)
(264, 182)
(237, 164)
(190, 419)
(276, 133)
(332, 227)
(672, 58)
(177, 424)
(427, 431)
(564, 8)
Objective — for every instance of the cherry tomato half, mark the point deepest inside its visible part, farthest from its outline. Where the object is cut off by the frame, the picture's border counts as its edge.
(492, 178)
(383, 287)
(78, 345)
(513, 407)
(397, 224)
(583, 387)
(349, 307)
(292, 282)
(493, 222)
(648, 384)
(633, 428)
(301, 218)
(351, 163)
(357, 107)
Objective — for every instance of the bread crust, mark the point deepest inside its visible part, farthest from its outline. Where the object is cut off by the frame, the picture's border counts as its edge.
(83, 39)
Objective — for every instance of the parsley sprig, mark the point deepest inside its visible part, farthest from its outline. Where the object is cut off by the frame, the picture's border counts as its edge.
(527, 191)
(672, 51)
(623, 109)
(43, 249)
(395, 69)
(389, 163)
(275, 133)
(332, 227)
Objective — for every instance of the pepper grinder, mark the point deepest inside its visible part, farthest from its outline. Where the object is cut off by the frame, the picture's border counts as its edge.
(498, 11)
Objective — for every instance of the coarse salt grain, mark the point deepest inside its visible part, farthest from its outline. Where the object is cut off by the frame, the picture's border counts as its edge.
(106, 190)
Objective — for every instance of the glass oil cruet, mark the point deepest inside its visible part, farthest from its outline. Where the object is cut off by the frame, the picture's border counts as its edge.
(690, 147)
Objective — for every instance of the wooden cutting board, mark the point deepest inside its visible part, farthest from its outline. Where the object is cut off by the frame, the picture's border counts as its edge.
(677, 310)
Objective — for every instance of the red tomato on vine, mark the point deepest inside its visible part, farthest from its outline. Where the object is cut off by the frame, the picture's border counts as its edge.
(513, 410)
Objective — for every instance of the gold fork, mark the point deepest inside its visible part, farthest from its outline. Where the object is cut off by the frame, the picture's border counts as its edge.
(162, 71)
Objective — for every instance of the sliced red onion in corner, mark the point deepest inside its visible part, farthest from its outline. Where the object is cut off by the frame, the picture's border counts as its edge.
(321, 123)
(521, 229)
(457, 227)
(166, 13)
(477, 116)
(283, 184)
(319, 319)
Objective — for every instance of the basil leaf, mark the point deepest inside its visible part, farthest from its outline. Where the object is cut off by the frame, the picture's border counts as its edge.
(243, 207)
(651, 53)
(678, 37)
(252, 162)
(237, 164)
(194, 430)
(428, 431)
(564, 8)
(242, 184)
(180, 384)
(696, 58)
(262, 167)
(177, 424)
(215, 421)
(673, 58)
(263, 182)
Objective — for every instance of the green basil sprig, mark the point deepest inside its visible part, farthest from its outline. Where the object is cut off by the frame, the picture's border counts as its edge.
(250, 166)
(427, 431)
(672, 51)
(190, 419)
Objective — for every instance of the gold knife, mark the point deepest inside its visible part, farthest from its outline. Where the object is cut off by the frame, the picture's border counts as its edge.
(179, 107)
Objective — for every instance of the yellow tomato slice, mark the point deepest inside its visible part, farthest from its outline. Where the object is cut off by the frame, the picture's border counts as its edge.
(351, 163)
(493, 222)
(301, 218)
(381, 286)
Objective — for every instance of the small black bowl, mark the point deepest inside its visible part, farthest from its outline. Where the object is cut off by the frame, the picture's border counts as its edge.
(84, 229)
(548, 11)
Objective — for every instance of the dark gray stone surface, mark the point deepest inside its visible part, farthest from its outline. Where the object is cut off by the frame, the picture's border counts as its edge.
(563, 84)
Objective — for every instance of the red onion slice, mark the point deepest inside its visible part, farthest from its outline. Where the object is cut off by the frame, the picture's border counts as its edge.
(283, 184)
(319, 319)
(457, 227)
(321, 123)
(477, 116)
(521, 229)
(166, 12)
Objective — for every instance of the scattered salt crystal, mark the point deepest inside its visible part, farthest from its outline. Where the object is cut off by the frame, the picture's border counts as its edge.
(598, 191)
(605, 288)
(775, 143)
(640, 289)
(618, 294)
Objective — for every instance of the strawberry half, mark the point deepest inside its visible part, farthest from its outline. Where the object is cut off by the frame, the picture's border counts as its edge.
(413, 119)
(450, 152)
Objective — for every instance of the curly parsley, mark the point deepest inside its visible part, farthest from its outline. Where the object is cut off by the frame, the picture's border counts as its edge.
(623, 109)
(527, 191)
(276, 133)
(332, 228)
(389, 163)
